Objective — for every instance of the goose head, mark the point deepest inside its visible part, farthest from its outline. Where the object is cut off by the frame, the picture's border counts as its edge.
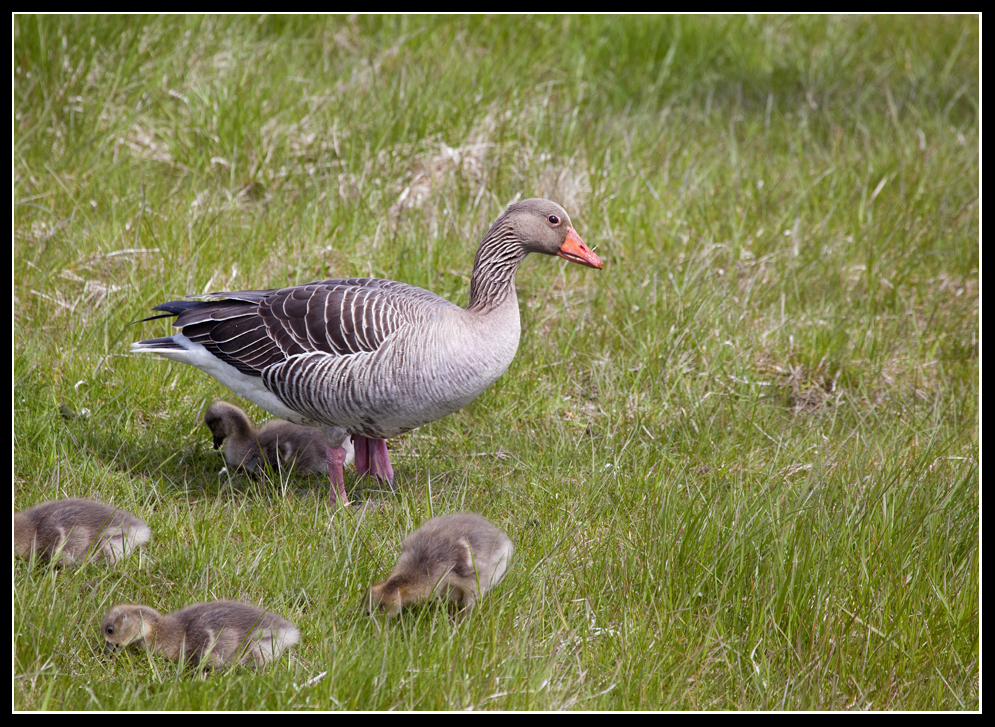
(543, 226)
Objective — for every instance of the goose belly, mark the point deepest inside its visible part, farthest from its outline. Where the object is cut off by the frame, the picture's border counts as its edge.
(396, 388)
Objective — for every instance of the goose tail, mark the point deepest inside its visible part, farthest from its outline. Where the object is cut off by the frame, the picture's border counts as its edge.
(177, 348)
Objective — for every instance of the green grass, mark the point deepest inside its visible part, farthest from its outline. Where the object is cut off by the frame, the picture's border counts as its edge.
(740, 464)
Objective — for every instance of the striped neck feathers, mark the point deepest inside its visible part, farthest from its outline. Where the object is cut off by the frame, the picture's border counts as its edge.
(493, 277)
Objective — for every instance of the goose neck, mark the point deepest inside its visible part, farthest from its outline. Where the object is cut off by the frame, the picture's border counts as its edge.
(493, 277)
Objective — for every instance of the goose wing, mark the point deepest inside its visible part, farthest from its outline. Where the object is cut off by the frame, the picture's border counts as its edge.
(253, 330)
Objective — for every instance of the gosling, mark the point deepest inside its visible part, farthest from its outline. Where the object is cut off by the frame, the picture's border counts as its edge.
(75, 531)
(457, 557)
(281, 444)
(219, 633)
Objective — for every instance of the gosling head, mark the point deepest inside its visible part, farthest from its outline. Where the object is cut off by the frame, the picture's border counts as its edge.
(384, 599)
(224, 420)
(128, 624)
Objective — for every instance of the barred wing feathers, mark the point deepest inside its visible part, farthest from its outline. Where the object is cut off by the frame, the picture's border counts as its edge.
(257, 329)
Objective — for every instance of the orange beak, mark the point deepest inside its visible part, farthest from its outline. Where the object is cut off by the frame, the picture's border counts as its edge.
(576, 251)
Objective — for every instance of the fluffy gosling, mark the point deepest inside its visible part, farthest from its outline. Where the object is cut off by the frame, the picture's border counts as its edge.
(219, 633)
(74, 531)
(280, 443)
(456, 557)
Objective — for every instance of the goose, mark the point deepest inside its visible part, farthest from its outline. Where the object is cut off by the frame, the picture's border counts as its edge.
(366, 357)
(456, 557)
(280, 443)
(219, 632)
(75, 531)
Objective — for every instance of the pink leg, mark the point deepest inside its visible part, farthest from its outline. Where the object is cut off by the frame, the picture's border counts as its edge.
(372, 458)
(380, 462)
(336, 458)
(362, 458)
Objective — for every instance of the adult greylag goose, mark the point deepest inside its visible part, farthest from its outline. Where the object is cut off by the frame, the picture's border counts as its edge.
(280, 443)
(74, 531)
(365, 357)
(456, 557)
(218, 632)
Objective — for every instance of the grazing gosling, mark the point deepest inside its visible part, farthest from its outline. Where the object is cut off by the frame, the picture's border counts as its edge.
(219, 633)
(74, 531)
(280, 443)
(457, 557)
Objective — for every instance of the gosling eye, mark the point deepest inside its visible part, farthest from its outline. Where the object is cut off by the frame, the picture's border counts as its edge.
(553, 220)
(110, 630)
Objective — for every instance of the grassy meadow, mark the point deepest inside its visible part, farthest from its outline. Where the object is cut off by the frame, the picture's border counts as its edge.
(740, 464)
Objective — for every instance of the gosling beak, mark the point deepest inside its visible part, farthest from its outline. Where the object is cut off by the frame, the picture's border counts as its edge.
(576, 251)
(218, 441)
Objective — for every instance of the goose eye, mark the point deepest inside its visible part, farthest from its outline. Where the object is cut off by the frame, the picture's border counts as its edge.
(553, 220)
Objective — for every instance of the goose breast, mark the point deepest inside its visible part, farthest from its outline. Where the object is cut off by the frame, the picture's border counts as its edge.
(437, 359)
